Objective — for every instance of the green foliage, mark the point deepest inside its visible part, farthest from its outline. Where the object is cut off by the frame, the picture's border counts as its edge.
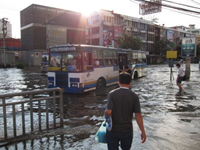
(20, 65)
(161, 46)
(127, 41)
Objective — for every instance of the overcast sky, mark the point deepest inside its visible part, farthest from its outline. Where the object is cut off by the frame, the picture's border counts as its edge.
(11, 9)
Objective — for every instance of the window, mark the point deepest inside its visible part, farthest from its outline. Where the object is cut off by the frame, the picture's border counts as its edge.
(55, 59)
(139, 57)
(130, 58)
(114, 57)
(87, 61)
(135, 58)
(95, 41)
(143, 57)
(95, 30)
(108, 57)
(101, 58)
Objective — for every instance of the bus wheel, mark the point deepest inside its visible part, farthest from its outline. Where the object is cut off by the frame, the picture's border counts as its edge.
(135, 75)
(101, 83)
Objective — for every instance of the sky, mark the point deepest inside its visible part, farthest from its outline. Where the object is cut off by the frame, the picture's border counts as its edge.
(11, 9)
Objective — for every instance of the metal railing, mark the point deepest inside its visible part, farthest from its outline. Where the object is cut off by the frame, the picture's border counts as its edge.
(32, 111)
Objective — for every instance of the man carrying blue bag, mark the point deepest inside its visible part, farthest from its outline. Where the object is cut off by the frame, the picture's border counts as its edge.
(122, 103)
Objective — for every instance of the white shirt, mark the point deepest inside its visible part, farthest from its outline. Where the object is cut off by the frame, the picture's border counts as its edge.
(180, 72)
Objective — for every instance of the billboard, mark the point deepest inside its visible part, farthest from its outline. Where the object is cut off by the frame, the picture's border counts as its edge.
(188, 48)
(153, 6)
(107, 37)
(118, 31)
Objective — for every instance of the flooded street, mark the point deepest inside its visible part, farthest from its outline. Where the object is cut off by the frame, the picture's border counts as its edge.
(171, 118)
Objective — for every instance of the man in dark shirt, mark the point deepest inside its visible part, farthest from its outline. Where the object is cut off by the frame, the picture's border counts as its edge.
(122, 103)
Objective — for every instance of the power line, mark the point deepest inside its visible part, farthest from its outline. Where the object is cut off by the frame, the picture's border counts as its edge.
(182, 12)
(181, 4)
(195, 2)
(173, 7)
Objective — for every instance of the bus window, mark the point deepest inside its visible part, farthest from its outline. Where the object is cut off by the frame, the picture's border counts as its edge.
(144, 58)
(69, 62)
(139, 57)
(135, 58)
(100, 62)
(108, 62)
(95, 58)
(101, 58)
(108, 57)
(87, 61)
(114, 57)
(130, 58)
(55, 60)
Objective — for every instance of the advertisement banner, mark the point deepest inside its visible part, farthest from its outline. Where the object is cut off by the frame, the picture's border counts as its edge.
(188, 48)
(118, 31)
(107, 37)
(154, 6)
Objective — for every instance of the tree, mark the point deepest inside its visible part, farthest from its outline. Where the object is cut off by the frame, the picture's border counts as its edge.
(161, 46)
(178, 48)
(198, 51)
(127, 41)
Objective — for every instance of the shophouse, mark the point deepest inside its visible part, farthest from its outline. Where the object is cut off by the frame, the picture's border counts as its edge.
(104, 26)
(43, 27)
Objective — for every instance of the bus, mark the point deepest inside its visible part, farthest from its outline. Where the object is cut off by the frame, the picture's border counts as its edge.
(82, 68)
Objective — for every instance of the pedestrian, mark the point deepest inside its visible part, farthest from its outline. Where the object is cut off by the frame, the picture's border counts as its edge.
(179, 77)
(122, 103)
(128, 70)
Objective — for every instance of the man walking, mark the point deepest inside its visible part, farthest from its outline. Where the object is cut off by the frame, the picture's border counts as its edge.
(179, 77)
(122, 103)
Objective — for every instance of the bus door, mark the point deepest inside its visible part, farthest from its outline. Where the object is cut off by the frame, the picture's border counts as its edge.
(122, 58)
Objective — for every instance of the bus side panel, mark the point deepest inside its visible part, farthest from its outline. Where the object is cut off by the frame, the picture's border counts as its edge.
(140, 68)
(90, 78)
(51, 79)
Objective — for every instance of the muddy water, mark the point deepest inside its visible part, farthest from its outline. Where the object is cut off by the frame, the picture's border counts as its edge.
(171, 118)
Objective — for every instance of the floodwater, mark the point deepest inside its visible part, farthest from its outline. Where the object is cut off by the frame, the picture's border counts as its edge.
(171, 118)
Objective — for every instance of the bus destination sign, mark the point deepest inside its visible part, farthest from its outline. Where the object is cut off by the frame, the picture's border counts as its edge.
(62, 49)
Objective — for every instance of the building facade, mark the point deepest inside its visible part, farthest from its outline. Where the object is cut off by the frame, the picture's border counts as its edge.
(43, 27)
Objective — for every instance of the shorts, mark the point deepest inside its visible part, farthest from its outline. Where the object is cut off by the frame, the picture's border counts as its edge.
(179, 80)
(116, 138)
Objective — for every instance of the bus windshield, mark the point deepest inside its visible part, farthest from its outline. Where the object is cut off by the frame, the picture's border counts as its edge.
(69, 61)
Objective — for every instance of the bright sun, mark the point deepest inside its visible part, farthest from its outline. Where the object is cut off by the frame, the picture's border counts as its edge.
(88, 6)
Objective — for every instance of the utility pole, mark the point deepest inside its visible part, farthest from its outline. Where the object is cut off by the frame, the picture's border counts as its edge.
(4, 29)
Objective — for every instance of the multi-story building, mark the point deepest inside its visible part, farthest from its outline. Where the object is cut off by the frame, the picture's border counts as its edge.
(42, 27)
(103, 27)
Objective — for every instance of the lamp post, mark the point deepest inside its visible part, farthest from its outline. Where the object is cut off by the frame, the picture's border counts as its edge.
(4, 29)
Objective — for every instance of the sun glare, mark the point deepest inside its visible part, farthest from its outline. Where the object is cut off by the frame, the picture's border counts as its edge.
(88, 6)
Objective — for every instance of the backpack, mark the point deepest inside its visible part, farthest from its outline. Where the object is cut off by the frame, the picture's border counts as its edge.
(184, 78)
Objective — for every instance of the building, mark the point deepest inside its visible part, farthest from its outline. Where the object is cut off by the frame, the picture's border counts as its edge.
(43, 27)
